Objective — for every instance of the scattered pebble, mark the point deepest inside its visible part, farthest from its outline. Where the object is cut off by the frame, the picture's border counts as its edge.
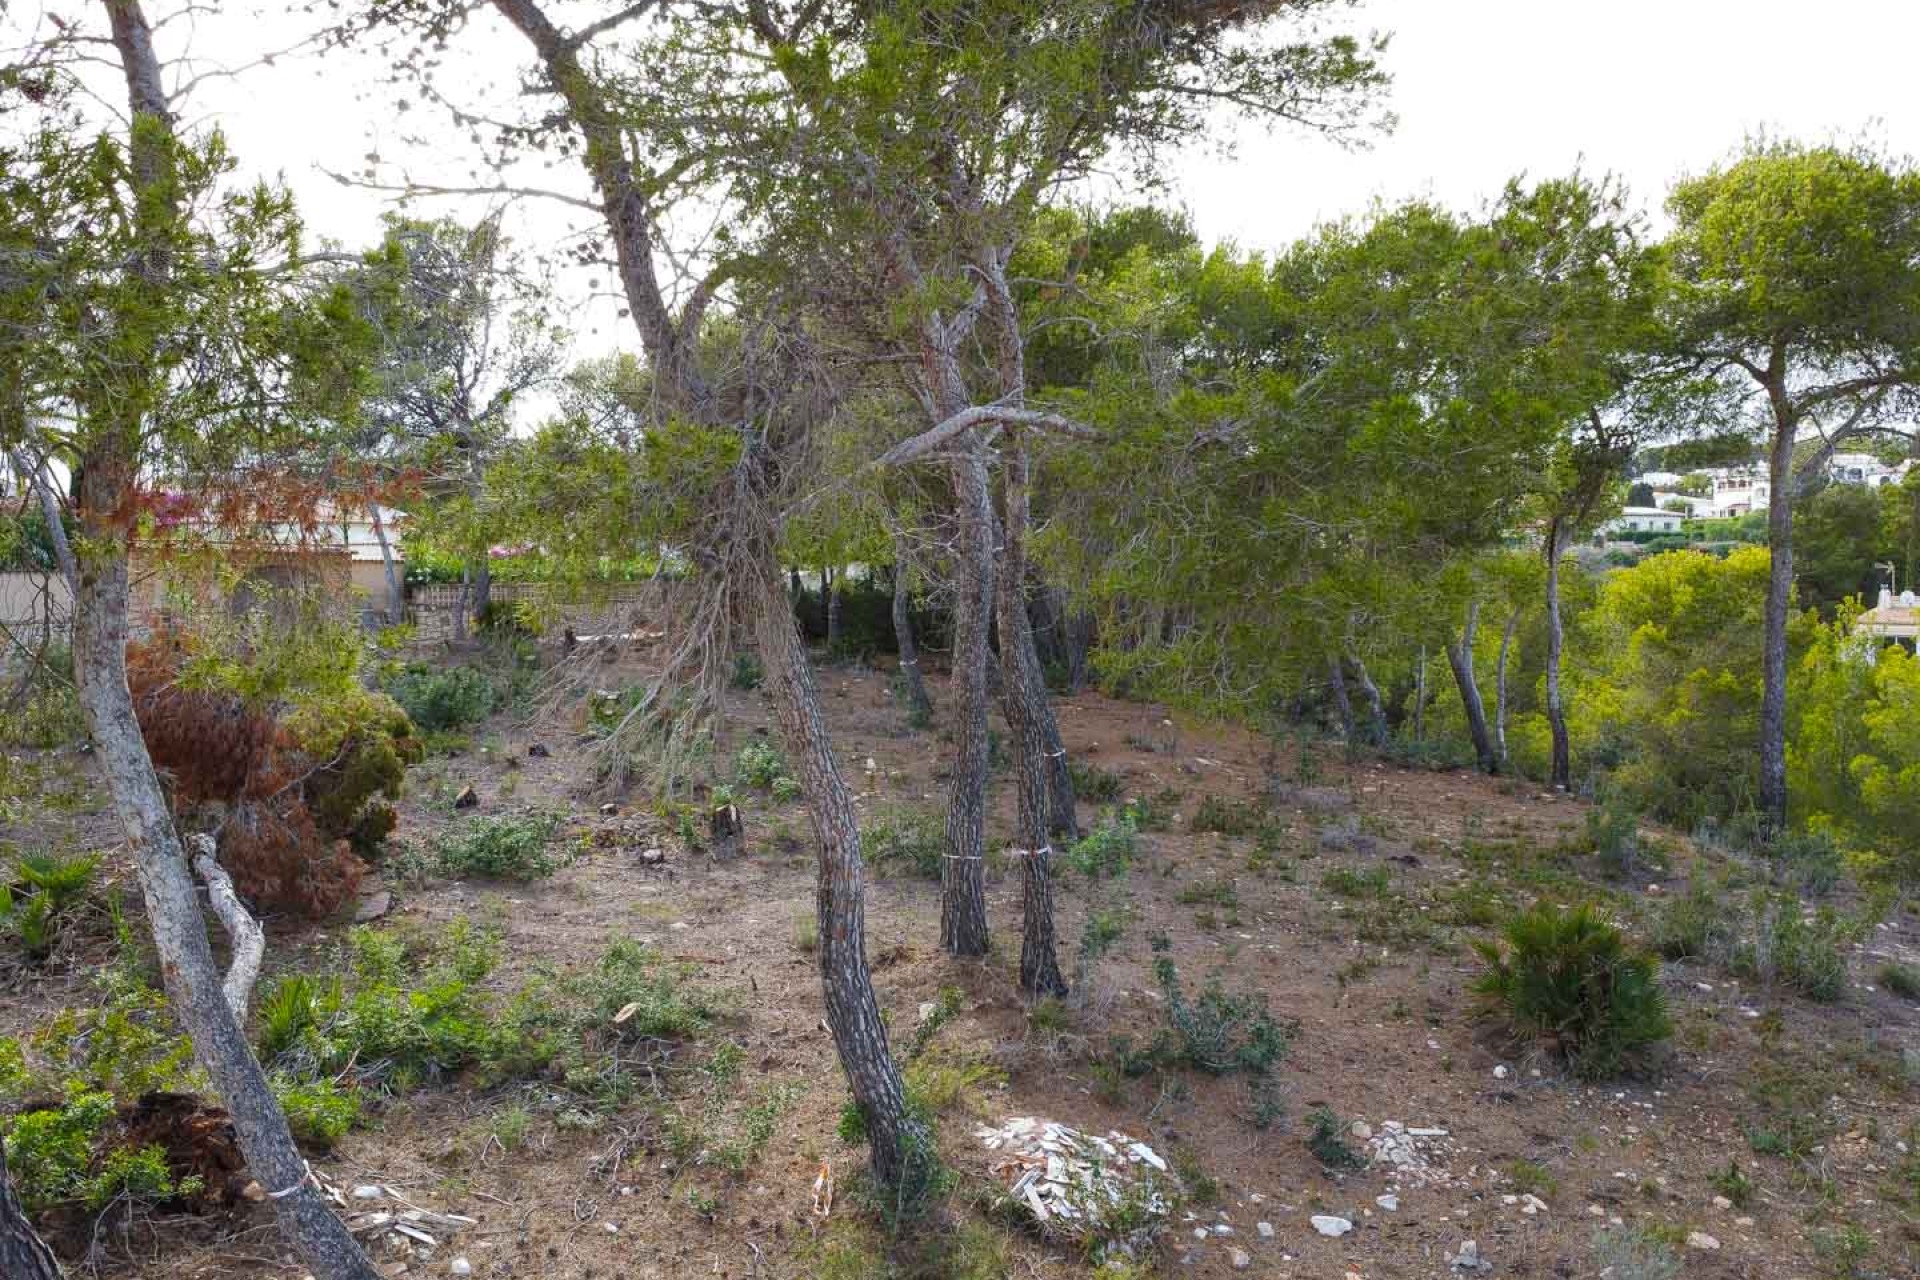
(1265, 1229)
(1389, 1202)
(368, 1192)
(460, 1267)
(1702, 1241)
(1328, 1225)
(1240, 1259)
(1500, 1072)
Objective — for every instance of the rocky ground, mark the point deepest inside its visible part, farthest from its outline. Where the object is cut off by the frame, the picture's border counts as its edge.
(1407, 1137)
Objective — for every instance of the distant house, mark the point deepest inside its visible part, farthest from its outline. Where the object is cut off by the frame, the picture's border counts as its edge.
(1893, 618)
(1643, 520)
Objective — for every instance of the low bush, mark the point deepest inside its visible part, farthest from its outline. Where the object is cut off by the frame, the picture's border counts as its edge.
(45, 889)
(1569, 982)
(438, 699)
(1107, 850)
(506, 848)
(1218, 1031)
(910, 841)
(1227, 816)
(1767, 936)
(1346, 882)
(1327, 1139)
(1094, 784)
(761, 766)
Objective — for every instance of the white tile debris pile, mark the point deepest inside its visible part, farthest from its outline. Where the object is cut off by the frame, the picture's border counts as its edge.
(1113, 1192)
(1412, 1156)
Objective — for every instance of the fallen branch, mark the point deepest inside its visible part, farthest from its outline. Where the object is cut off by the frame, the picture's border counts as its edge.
(249, 940)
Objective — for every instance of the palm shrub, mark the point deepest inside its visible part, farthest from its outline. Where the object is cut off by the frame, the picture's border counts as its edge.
(1570, 982)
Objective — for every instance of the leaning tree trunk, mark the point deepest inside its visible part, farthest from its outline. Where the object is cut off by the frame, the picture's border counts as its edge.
(396, 588)
(912, 679)
(1560, 771)
(1376, 705)
(1773, 668)
(1460, 658)
(109, 475)
(23, 1254)
(901, 1147)
(193, 984)
(963, 892)
(1039, 963)
(482, 589)
(1500, 687)
(1342, 704)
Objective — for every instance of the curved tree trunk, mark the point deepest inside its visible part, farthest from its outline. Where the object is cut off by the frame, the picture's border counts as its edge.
(1460, 658)
(396, 609)
(1500, 687)
(1560, 772)
(963, 892)
(1039, 962)
(1376, 705)
(912, 679)
(109, 473)
(901, 1147)
(23, 1254)
(1773, 668)
(1342, 704)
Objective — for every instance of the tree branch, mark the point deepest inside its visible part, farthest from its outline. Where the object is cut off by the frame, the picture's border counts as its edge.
(978, 416)
(249, 940)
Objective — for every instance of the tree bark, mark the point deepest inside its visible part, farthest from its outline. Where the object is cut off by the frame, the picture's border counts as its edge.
(1376, 705)
(1342, 704)
(396, 609)
(901, 1147)
(248, 940)
(1420, 699)
(1460, 658)
(108, 467)
(830, 582)
(1500, 686)
(963, 900)
(23, 1254)
(1773, 667)
(482, 588)
(1039, 962)
(460, 602)
(913, 680)
(1560, 771)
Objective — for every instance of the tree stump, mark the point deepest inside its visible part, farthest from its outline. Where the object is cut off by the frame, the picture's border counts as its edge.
(727, 831)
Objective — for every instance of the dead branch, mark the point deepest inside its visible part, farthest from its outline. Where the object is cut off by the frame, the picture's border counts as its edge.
(249, 940)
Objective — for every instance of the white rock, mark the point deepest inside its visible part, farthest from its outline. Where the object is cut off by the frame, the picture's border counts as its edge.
(1721, 1202)
(1222, 1229)
(1199, 1233)
(1265, 1229)
(1500, 1072)
(1328, 1225)
(1389, 1202)
(460, 1267)
(1743, 1222)
(1240, 1259)
(1702, 1241)
(611, 1228)
(1468, 1258)
(1361, 1130)
(368, 1192)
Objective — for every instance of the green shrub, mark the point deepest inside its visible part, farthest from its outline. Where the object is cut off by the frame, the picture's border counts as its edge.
(785, 790)
(437, 700)
(1156, 812)
(320, 1112)
(1219, 1032)
(1374, 882)
(759, 765)
(1227, 817)
(1613, 836)
(1327, 1139)
(1810, 861)
(1901, 979)
(1633, 1253)
(913, 841)
(747, 672)
(1107, 850)
(46, 886)
(1766, 936)
(62, 1156)
(509, 848)
(1094, 784)
(1568, 981)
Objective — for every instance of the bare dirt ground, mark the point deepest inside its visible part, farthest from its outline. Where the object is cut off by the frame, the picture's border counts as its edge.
(1529, 1166)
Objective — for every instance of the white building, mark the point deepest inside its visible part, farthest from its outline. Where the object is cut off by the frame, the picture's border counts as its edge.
(1644, 520)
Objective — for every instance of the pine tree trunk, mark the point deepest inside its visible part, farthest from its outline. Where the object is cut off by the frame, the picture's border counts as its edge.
(109, 471)
(1560, 771)
(396, 609)
(1376, 705)
(1500, 687)
(482, 588)
(963, 895)
(1460, 658)
(1021, 679)
(830, 581)
(1342, 704)
(901, 1148)
(1773, 670)
(23, 1254)
(459, 620)
(913, 680)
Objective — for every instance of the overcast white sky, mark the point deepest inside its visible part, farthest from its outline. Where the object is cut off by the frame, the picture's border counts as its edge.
(1484, 89)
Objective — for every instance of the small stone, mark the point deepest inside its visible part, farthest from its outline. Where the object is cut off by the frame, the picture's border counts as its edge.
(460, 1267)
(1361, 1130)
(1389, 1202)
(373, 906)
(1702, 1241)
(368, 1192)
(1240, 1259)
(653, 857)
(1743, 1221)
(609, 810)
(1468, 1258)
(611, 1228)
(1265, 1229)
(1328, 1225)
(1595, 1211)
(538, 751)
(467, 798)
(1721, 1202)
(1500, 1072)
(1199, 1233)
(1222, 1229)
